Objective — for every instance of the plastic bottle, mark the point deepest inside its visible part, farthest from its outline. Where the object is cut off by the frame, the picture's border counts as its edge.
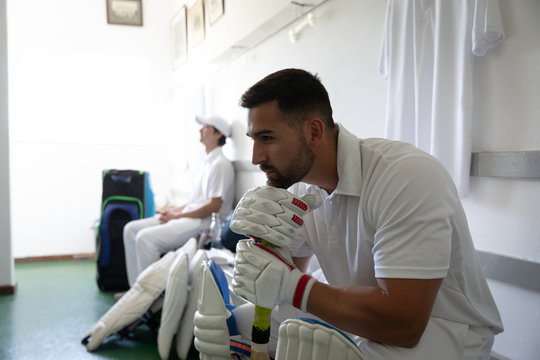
(215, 231)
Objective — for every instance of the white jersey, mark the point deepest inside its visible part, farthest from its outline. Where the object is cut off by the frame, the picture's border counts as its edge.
(216, 179)
(427, 57)
(395, 213)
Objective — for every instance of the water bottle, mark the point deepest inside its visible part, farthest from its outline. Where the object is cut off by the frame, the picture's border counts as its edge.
(215, 231)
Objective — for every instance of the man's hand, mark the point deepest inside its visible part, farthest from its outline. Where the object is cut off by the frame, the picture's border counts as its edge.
(272, 214)
(168, 214)
(266, 276)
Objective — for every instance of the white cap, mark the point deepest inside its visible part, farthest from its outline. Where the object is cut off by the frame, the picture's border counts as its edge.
(216, 121)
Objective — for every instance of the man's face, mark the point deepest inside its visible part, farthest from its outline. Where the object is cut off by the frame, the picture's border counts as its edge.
(209, 135)
(280, 150)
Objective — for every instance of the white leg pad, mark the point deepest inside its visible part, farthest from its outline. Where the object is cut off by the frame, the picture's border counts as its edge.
(313, 340)
(154, 277)
(174, 304)
(184, 338)
(176, 296)
(132, 305)
(149, 285)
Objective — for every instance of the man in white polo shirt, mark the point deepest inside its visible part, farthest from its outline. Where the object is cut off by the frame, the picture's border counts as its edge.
(146, 239)
(391, 235)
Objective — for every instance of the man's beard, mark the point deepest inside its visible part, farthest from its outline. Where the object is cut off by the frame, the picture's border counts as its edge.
(296, 169)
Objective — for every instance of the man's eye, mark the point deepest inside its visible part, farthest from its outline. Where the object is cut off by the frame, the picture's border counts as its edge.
(266, 138)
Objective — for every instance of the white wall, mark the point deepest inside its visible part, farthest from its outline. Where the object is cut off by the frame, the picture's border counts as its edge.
(84, 96)
(343, 48)
(503, 213)
(6, 261)
(67, 86)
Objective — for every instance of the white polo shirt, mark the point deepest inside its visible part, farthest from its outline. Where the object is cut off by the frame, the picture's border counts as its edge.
(216, 179)
(396, 214)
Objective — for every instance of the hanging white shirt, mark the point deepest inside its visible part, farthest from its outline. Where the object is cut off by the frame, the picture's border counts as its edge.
(427, 56)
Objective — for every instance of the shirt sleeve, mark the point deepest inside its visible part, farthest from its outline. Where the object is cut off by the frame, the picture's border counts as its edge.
(412, 206)
(487, 30)
(384, 54)
(219, 180)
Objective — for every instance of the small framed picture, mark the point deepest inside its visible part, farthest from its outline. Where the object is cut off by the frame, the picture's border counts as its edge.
(215, 9)
(179, 47)
(124, 12)
(196, 19)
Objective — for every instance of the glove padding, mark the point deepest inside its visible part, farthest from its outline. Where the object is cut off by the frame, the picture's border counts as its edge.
(309, 339)
(267, 276)
(272, 214)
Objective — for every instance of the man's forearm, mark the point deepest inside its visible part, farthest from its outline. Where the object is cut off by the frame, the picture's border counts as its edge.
(390, 316)
(204, 211)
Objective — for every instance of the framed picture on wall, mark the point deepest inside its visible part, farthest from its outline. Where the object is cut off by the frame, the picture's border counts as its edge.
(179, 48)
(196, 19)
(124, 12)
(215, 9)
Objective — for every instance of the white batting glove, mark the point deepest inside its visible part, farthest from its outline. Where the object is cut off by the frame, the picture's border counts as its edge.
(266, 276)
(272, 214)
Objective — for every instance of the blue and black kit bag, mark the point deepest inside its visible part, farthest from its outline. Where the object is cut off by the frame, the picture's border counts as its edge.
(127, 195)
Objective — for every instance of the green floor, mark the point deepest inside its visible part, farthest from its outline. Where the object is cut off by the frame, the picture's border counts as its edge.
(54, 305)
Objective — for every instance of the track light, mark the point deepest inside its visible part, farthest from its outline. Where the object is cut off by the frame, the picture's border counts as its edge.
(309, 19)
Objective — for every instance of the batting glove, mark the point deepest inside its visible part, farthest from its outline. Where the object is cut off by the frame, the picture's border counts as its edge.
(272, 214)
(266, 276)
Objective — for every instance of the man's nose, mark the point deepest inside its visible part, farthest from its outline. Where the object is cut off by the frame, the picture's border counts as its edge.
(258, 155)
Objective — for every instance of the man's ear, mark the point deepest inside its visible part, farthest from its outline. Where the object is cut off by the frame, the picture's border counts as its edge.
(314, 131)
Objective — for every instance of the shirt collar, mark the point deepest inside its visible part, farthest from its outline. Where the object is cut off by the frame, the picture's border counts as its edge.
(348, 157)
(212, 155)
(349, 163)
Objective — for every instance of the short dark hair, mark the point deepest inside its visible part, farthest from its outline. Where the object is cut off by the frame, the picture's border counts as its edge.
(222, 140)
(298, 94)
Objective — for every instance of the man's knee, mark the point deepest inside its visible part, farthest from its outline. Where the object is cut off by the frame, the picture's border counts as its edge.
(144, 242)
(131, 230)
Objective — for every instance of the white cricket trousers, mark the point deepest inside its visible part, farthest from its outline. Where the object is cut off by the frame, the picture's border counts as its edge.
(145, 240)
